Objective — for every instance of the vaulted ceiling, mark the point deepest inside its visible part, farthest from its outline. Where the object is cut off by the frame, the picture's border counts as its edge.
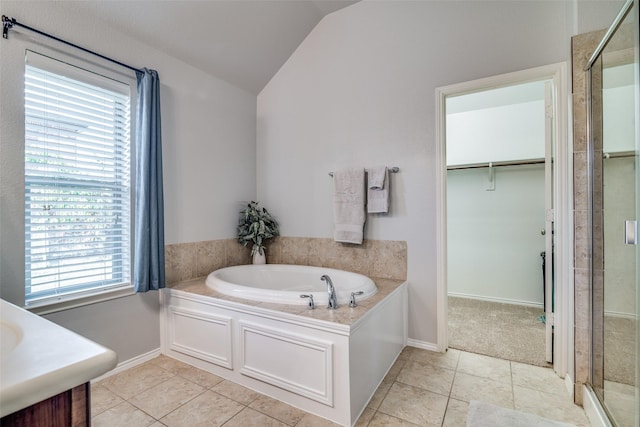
(244, 42)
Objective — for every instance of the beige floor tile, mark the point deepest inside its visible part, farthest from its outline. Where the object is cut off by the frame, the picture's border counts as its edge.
(136, 380)
(379, 395)
(395, 370)
(235, 392)
(102, 399)
(157, 424)
(384, 420)
(405, 354)
(168, 363)
(469, 387)
(198, 376)
(485, 366)
(208, 409)
(277, 409)
(159, 400)
(428, 377)
(456, 415)
(537, 378)
(549, 405)
(251, 418)
(414, 404)
(365, 417)
(448, 359)
(310, 420)
(122, 415)
(620, 401)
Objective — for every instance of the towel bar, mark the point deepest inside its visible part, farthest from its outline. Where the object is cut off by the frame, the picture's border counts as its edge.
(394, 169)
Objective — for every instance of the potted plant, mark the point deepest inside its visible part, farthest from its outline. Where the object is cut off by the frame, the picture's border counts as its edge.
(255, 226)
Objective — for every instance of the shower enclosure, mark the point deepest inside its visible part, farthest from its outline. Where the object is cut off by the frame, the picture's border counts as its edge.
(613, 178)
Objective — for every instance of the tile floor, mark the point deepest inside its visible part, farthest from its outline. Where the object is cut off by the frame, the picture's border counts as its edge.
(423, 388)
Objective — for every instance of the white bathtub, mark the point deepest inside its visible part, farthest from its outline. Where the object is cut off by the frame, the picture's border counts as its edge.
(326, 362)
(280, 283)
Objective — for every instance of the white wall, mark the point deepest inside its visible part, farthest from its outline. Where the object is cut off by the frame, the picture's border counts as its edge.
(619, 258)
(209, 162)
(618, 108)
(511, 132)
(592, 15)
(493, 125)
(493, 237)
(360, 90)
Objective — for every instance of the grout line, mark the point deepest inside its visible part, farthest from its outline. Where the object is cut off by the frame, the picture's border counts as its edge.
(513, 392)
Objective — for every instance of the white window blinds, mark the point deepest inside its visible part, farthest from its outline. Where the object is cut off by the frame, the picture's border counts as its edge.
(77, 183)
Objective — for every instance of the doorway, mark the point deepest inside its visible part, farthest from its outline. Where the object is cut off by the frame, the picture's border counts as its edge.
(498, 191)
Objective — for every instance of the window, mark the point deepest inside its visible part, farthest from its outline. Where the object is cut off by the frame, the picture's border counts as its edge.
(77, 181)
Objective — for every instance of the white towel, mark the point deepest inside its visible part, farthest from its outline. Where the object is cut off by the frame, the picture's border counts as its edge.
(348, 205)
(378, 191)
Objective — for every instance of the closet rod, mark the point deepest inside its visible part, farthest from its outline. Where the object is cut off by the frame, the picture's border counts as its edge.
(618, 154)
(494, 164)
(8, 23)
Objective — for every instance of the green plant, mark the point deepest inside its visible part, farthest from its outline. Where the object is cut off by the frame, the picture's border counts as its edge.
(255, 226)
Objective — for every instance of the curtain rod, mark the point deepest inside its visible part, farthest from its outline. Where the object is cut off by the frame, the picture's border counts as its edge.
(495, 164)
(8, 23)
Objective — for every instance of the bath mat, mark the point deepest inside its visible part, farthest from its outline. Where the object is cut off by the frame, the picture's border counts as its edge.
(483, 414)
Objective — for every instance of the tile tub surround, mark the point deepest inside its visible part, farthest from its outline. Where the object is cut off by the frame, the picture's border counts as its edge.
(374, 258)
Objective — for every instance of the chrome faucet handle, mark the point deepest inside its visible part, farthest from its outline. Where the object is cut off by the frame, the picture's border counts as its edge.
(352, 301)
(311, 305)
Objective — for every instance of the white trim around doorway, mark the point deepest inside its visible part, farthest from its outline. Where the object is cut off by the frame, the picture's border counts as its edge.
(563, 203)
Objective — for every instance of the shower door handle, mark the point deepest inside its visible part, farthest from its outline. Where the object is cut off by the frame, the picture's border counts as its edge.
(631, 232)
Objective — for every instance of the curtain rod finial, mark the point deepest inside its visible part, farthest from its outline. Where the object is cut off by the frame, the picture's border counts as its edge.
(7, 23)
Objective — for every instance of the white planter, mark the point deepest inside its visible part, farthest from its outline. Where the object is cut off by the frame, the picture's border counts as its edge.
(260, 258)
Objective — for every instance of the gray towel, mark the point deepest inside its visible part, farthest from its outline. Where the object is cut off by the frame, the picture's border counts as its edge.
(378, 191)
(348, 205)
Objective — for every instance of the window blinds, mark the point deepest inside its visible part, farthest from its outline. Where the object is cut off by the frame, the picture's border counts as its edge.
(77, 185)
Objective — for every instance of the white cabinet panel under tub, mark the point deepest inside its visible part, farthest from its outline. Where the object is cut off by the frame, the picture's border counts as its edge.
(300, 364)
(200, 334)
(326, 362)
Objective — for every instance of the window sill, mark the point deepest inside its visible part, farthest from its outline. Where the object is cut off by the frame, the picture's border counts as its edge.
(55, 304)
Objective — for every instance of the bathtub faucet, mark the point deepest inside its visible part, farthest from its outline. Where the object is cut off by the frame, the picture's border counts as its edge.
(333, 301)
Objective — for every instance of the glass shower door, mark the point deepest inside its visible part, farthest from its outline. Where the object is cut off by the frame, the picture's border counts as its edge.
(615, 174)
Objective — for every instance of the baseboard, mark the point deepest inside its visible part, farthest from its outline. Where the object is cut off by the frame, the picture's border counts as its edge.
(618, 314)
(568, 383)
(128, 364)
(593, 409)
(498, 300)
(422, 344)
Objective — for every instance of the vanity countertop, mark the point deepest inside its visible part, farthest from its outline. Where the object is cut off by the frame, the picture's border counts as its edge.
(40, 359)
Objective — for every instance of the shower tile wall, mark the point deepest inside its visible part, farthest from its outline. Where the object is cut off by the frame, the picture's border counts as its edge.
(583, 46)
(375, 258)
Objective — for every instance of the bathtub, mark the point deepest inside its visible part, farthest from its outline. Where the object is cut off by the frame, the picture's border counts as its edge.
(283, 284)
(326, 362)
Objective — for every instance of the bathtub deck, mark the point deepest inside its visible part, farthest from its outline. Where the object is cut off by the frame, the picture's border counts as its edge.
(344, 315)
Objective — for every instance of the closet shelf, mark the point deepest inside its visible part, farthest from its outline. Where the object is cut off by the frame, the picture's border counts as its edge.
(496, 164)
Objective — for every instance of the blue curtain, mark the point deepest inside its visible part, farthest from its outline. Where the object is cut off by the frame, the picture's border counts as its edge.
(148, 257)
